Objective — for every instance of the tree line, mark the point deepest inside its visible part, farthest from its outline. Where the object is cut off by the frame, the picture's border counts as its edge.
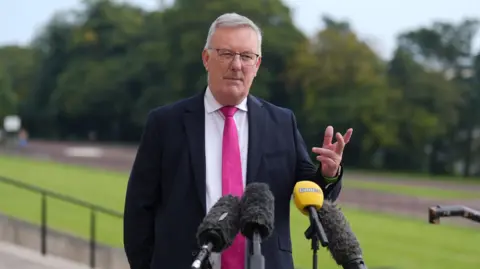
(100, 69)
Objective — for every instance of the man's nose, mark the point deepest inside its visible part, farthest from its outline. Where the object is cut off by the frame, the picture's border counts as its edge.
(236, 63)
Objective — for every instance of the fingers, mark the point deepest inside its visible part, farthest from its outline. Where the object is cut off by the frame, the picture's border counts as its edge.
(340, 144)
(326, 161)
(330, 155)
(327, 139)
(348, 135)
(326, 153)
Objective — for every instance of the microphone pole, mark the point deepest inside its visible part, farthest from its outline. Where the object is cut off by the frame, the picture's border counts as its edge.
(217, 230)
(257, 260)
(314, 240)
(202, 260)
(308, 198)
(315, 235)
(206, 264)
(257, 220)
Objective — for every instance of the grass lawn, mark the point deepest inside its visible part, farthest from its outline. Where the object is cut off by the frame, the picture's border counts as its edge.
(416, 191)
(418, 176)
(400, 243)
(396, 242)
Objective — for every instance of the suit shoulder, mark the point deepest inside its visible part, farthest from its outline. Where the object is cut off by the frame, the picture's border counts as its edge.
(171, 109)
(274, 109)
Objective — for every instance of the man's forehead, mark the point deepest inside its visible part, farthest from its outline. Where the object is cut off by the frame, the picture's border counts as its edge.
(240, 38)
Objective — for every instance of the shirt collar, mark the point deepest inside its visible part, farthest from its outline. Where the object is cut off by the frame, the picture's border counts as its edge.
(211, 105)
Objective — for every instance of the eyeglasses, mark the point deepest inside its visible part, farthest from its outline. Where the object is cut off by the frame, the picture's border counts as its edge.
(247, 58)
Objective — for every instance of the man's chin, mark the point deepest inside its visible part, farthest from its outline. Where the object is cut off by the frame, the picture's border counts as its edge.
(234, 87)
(233, 82)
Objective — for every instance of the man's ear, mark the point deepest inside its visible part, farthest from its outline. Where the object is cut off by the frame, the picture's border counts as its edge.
(205, 58)
(257, 65)
(259, 61)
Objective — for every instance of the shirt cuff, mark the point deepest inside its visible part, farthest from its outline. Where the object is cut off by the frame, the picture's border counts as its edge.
(333, 179)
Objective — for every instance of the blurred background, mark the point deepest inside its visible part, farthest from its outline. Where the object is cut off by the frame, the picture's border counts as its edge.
(77, 79)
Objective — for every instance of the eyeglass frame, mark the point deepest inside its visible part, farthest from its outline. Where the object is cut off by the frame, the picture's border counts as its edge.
(237, 53)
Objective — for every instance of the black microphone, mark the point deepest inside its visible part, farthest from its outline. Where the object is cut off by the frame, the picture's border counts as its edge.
(343, 244)
(257, 218)
(218, 229)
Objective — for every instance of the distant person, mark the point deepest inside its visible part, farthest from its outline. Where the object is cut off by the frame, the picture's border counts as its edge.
(22, 138)
(178, 173)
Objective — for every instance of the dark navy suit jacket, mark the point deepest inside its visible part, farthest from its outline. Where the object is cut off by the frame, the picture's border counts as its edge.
(165, 199)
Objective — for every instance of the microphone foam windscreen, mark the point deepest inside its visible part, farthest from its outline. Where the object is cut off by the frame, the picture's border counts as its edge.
(257, 210)
(343, 243)
(221, 224)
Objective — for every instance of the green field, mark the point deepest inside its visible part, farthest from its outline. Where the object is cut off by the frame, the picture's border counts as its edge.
(401, 243)
(418, 176)
(415, 191)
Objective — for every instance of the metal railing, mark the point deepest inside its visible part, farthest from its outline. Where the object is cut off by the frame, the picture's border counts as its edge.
(94, 209)
(439, 211)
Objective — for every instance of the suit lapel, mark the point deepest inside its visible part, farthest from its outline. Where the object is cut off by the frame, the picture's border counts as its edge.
(256, 121)
(194, 121)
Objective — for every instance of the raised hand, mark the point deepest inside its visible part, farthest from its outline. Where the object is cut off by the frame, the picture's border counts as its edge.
(330, 155)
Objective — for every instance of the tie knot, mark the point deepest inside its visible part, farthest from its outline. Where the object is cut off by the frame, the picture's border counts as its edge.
(228, 111)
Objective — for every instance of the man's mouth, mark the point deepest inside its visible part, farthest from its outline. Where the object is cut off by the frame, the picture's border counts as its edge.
(235, 79)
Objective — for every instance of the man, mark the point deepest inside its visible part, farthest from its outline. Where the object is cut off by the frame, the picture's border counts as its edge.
(196, 150)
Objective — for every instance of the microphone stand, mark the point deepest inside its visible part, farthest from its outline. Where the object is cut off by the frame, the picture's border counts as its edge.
(203, 258)
(206, 264)
(257, 260)
(315, 233)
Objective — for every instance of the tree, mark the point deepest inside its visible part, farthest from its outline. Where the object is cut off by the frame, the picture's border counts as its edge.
(448, 49)
(426, 110)
(19, 63)
(343, 84)
(8, 98)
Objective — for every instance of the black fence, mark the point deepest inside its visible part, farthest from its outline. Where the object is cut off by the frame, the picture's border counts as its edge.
(94, 209)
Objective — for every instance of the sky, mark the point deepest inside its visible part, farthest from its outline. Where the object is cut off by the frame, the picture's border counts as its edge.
(378, 21)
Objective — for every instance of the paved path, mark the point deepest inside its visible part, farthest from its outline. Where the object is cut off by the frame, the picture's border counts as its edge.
(119, 158)
(14, 257)
(401, 205)
(13, 262)
(447, 185)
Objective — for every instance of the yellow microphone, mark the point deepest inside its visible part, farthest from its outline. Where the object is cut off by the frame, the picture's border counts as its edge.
(308, 198)
(307, 194)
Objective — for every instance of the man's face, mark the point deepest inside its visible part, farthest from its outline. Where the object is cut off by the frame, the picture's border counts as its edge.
(232, 63)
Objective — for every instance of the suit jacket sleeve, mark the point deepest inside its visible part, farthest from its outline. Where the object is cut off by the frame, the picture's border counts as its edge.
(306, 170)
(142, 197)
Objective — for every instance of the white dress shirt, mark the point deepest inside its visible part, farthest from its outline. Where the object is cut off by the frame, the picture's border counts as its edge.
(214, 123)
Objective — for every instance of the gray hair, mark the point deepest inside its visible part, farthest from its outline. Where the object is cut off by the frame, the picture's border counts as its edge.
(234, 20)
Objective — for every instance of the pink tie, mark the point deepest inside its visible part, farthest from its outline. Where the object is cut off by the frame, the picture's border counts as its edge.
(232, 183)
